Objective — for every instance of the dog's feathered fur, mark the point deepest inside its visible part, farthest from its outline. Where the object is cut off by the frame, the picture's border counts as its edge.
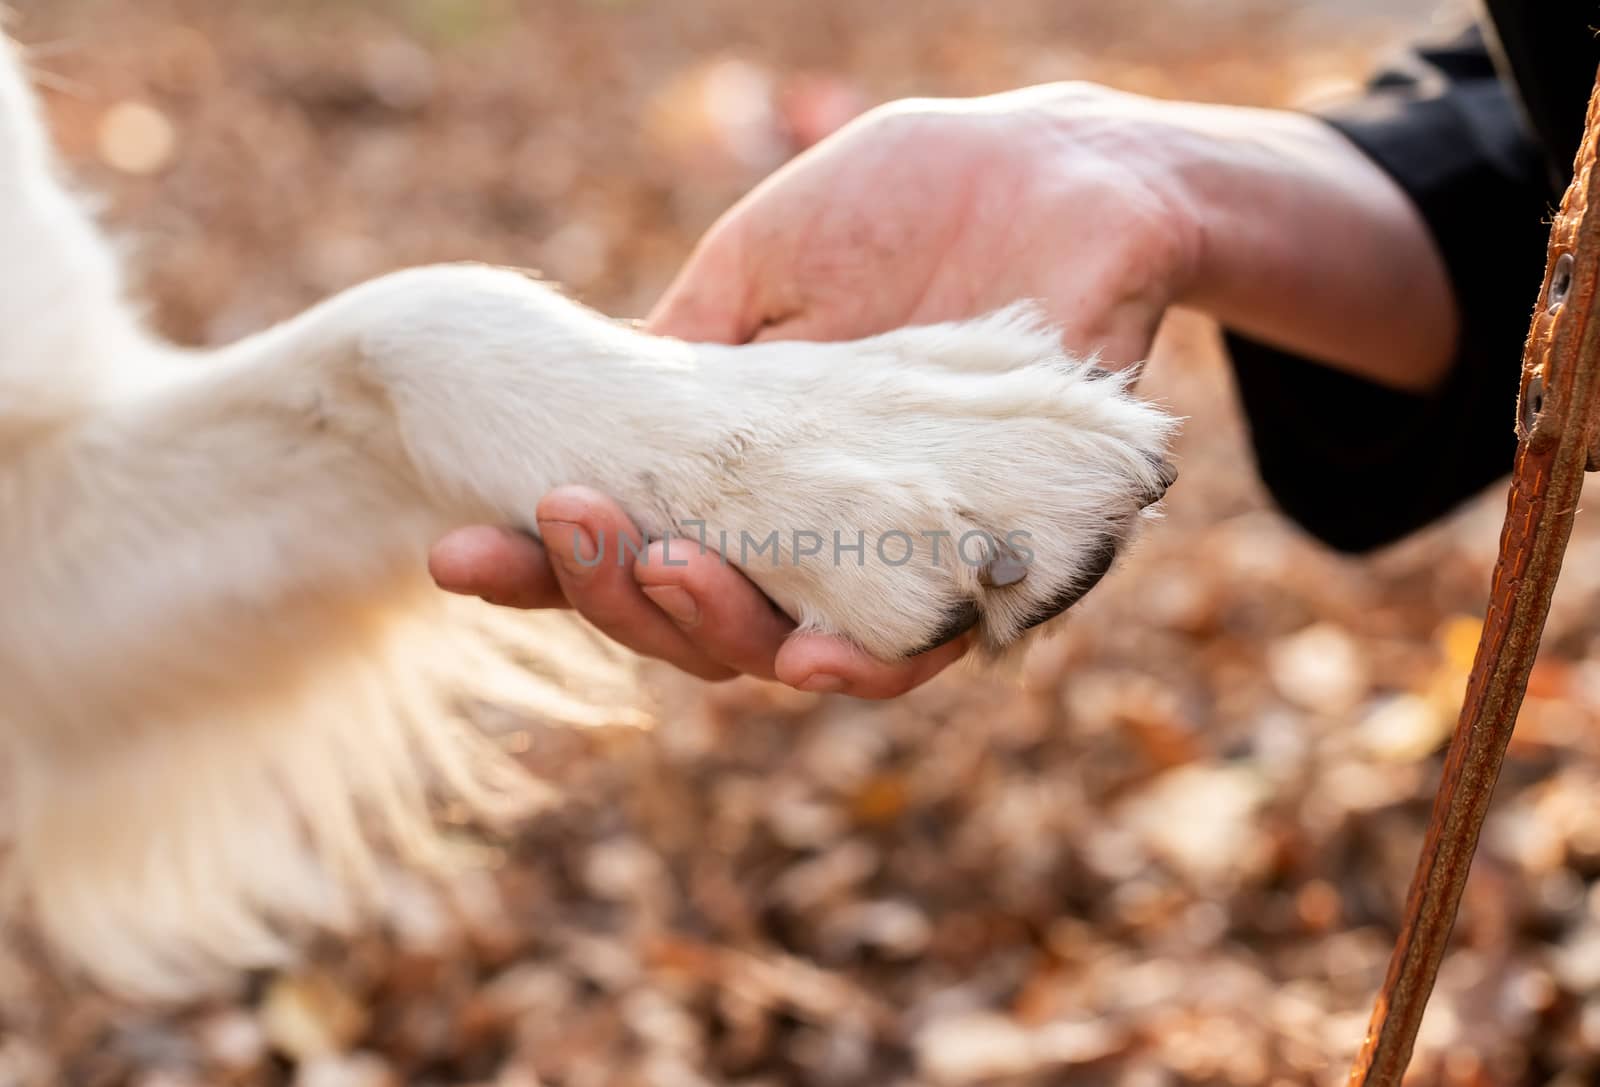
(220, 661)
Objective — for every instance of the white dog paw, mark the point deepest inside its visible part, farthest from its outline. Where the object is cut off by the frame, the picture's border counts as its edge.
(906, 489)
(899, 490)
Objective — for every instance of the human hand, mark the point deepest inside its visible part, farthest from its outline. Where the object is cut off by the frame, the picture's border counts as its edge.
(933, 210)
(694, 612)
(919, 212)
(1104, 207)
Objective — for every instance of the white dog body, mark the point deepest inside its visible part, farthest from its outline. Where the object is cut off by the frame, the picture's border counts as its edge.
(216, 657)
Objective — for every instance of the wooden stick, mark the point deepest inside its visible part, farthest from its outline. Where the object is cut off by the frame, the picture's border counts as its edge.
(1557, 424)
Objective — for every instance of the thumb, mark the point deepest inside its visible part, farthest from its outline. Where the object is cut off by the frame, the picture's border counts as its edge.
(708, 300)
(802, 326)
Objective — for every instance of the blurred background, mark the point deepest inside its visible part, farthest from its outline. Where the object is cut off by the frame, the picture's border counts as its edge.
(1175, 856)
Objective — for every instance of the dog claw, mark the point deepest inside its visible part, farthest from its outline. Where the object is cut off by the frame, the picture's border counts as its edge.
(1006, 568)
(1167, 472)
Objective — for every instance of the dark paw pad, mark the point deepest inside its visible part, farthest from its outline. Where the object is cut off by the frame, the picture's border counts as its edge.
(1099, 564)
(962, 618)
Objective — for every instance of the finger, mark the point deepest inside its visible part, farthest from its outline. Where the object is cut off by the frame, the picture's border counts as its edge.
(827, 325)
(707, 300)
(817, 662)
(501, 566)
(1122, 336)
(1126, 344)
(722, 613)
(796, 327)
(592, 545)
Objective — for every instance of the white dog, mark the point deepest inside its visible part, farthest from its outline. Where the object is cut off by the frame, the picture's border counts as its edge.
(213, 682)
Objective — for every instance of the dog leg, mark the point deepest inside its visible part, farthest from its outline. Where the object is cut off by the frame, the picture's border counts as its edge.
(66, 336)
(214, 647)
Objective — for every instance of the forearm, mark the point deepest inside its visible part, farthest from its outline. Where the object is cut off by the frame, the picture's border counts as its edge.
(1307, 244)
(1298, 238)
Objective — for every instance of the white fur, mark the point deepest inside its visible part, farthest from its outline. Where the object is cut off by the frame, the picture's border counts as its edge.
(216, 639)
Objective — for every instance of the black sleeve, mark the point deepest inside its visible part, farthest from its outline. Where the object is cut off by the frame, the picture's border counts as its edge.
(1360, 465)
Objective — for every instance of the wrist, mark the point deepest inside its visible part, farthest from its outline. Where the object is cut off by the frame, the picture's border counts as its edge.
(1302, 241)
(1094, 140)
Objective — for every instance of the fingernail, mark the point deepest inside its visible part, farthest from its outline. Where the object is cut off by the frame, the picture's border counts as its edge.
(676, 602)
(822, 683)
(585, 556)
